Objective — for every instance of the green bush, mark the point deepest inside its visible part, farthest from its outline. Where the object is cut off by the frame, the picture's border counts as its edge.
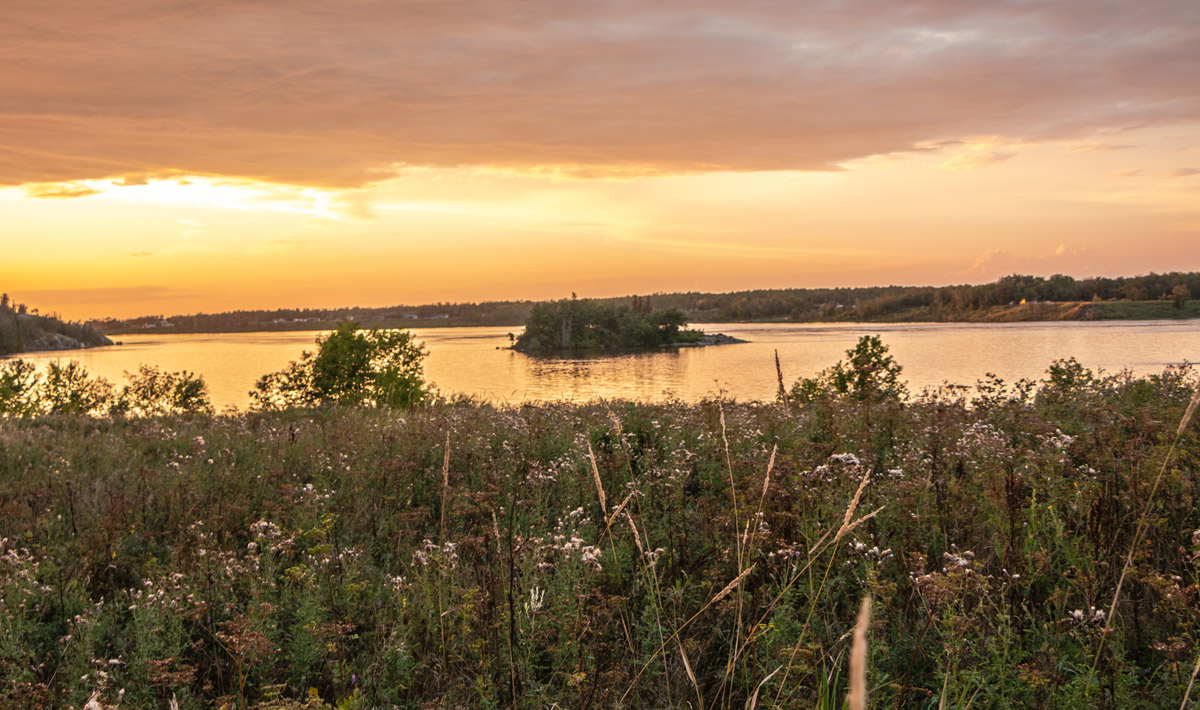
(352, 366)
(870, 374)
(152, 392)
(18, 388)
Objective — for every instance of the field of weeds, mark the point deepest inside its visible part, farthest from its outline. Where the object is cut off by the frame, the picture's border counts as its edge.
(709, 555)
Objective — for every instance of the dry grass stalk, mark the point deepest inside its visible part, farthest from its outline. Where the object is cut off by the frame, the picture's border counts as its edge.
(1187, 415)
(1143, 525)
(687, 666)
(620, 508)
(616, 421)
(445, 486)
(1192, 680)
(446, 464)
(637, 538)
(596, 477)
(857, 697)
(848, 524)
(783, 398)
(719, 596)
(767, 479)
(732, 585)
(761, 683)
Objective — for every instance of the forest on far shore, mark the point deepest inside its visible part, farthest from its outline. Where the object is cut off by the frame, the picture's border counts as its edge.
(1012, 298)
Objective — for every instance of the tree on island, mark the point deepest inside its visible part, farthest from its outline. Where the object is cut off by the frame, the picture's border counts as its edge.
(575, 324)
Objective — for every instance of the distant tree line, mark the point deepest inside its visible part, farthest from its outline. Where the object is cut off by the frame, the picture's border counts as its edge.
(23, 328)
(928, 302)
(875, 303)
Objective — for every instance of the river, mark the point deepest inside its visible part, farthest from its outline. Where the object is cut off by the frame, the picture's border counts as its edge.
(476, 361)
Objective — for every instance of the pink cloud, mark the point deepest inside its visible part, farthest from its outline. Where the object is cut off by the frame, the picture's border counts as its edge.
(322, 93)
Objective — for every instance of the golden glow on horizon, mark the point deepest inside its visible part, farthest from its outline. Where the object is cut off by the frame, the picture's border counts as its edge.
(193, 243)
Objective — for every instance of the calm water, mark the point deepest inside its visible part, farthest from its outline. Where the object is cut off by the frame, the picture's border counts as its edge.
(467, 360)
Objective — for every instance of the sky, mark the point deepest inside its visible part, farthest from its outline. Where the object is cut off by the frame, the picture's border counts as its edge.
(179, 156)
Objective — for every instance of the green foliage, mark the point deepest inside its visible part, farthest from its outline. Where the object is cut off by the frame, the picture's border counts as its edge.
(67, 389)
(321, 558)
(152, 392)
(1069, 376)
(869, 374)
(352, 366)
(18, 388)
(573, 324)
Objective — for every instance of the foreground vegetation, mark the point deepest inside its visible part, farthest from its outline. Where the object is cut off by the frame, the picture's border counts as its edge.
(646, 555)
(1012, 298)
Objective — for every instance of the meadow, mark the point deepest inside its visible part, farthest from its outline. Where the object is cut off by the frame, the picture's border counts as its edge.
(615, 554)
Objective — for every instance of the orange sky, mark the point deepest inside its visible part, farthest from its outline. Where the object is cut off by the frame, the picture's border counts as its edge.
(170, 157)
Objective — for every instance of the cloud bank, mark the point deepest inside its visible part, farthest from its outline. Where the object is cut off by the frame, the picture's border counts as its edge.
(319, 93)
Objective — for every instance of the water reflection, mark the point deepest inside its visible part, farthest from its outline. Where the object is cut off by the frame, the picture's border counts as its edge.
(476, 361)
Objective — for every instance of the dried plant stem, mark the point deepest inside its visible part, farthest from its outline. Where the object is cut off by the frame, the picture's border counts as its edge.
(857, 697)
(737, 628)
(596, 478)
(812, 606)
(716, 598)
(1192, 680)
(1143, 525)
(442, 541)
(783, 398)
(687, 666)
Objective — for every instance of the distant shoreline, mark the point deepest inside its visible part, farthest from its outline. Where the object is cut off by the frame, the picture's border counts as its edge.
(1013, 313)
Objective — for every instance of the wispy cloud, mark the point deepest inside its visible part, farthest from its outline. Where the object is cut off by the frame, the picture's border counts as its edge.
(971, 161)
(342, 94)
(60, 191)
(995, 263)
(1182, 172)
(1101, 147)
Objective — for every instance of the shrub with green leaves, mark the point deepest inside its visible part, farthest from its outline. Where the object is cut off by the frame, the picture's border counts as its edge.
(152, 392)
(868, 374)
(373, 367)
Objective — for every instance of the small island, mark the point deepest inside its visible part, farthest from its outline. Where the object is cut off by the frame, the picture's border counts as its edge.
(25, 330)
(583, 325)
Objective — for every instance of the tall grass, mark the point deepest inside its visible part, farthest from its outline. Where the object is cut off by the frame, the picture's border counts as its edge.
(615, 554)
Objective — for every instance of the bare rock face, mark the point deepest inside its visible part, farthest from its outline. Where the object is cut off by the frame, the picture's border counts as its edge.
(58, 341)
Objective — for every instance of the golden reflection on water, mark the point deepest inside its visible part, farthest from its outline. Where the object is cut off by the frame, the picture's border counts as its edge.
(476, 361)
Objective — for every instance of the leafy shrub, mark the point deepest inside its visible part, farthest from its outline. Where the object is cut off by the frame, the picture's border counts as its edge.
(18, 388)
(67, 389)
(356, 367)
(869, 375)
(152, 392)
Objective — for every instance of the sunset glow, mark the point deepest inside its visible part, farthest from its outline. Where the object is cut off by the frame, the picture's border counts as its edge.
(159, 158)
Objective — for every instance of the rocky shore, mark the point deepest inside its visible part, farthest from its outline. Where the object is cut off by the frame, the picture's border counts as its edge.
(708, 339)
(58, 341)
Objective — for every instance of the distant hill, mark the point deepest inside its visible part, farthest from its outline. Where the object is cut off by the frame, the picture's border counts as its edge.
(23, 331)
(1012, 298)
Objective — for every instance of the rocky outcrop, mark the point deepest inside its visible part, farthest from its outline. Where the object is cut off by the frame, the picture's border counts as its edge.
(58, 341)
(709, 339)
